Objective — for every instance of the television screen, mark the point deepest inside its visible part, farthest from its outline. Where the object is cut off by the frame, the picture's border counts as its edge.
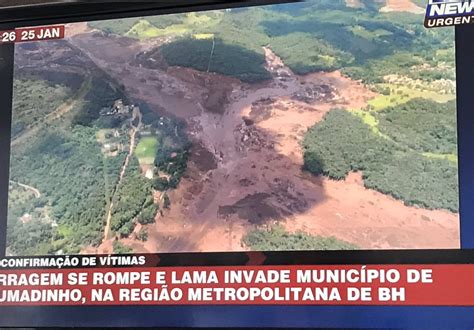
(318, 125)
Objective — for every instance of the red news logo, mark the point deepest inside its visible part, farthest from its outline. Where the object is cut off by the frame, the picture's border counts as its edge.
(33, 34)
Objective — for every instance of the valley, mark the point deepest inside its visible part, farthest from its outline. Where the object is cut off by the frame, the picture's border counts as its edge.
(226, 156)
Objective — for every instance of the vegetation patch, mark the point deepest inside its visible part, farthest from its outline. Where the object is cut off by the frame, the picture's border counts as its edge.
(134, 195)
(143, 30)
(114, 26)
(304, 53)
(277, 239)
(204, 35)
(146, 150)
(172, 25)
(75, 194)
(422, 125)
(216, 56)
(66, 164)
(342, 142)
(171, 158)
(393, 95)
(370, 120)
(451, 157)
(33, 100)
(120, 248)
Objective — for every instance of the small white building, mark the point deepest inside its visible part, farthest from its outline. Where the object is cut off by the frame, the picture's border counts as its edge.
(26, 218)
(149, 174)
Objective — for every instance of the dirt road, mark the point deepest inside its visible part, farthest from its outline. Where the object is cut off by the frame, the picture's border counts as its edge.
(34, 190)
(133, 134)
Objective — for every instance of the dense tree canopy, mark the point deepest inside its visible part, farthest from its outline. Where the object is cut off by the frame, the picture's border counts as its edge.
(422, 125)
(277, 239)
(216, 56)
(342, 142)
(34, 99)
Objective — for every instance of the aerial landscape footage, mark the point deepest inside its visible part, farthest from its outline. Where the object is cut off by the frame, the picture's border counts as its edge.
(318, 125)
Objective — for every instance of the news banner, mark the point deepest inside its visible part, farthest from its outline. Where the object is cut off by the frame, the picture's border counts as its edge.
(132, 280)
(149, 280)
(440, 13)
(32, 34)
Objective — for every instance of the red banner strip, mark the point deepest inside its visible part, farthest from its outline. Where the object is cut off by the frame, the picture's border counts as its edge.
(32, 34)
(423, 285)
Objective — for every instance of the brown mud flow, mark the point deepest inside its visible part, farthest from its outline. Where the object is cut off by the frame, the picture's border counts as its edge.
(391, 6)
(402, 6)
(245, 169)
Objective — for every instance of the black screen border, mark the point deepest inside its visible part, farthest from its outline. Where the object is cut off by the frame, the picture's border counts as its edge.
(465, 120)
(81, 11)
(6, 95)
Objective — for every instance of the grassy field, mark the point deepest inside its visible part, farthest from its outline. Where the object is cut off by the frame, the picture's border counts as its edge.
(402, 94)
(174, 25)
(143, 30)
(453, 158)
(201, 36)
(370, 120)
(146, 150)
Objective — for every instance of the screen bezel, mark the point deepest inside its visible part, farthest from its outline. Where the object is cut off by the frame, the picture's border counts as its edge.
(263, 316)
(465, 122)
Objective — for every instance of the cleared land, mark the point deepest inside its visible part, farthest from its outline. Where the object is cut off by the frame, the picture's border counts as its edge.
(146, 150)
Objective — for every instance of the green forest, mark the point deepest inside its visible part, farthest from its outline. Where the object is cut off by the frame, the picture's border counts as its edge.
(66, 165)
(133, 202)
(171, 155)
(405, 145)
(114, 26)
(311, 36)
(101, 94)
(47, 97)
(68, 170)
(342, 142)
(277, 239)
(421, 125)
(216, 56)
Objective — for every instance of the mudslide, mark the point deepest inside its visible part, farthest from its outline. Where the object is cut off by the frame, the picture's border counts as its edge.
(251, 175)
(402, 6)
(390, 6)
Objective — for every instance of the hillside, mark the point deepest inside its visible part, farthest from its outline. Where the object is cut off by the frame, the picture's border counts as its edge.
(312, 125)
